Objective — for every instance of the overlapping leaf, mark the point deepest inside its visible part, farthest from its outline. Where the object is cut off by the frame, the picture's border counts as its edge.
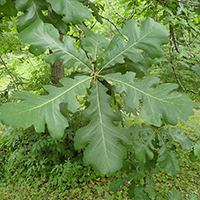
(2, 2)
(8, 7)
(160, 104)
(43, 36)
(37, 110)
(179, 136)
(167, 159)
(140, 68)
(149, 39)
(143, 149)
(94, 43)
(73, 10)
(103, 142)
(33, 12)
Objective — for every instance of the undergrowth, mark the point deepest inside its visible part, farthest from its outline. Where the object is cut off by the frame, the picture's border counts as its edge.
(34, 166)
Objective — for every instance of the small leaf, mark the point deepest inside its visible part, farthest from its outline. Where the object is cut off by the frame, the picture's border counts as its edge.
(104, 143)
(192, 197)
(173, 195)
(179, 136)
(196, 69)
(73, 10)
(143, 149)
(140, 194)
(197, 148)
(37, 110)
(167, 159)
(43, 36)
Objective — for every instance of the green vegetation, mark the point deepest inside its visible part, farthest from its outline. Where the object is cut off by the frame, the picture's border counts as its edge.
(95, 98)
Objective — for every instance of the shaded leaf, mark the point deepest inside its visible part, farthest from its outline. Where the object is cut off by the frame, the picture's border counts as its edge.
(73, 10)
(94, 43)
(143, 149)
(167, 160)
(43, 36)
(33, 12)
(104, 143)
(179, 136)
(8, 8)
(140, 68)
(37, 110)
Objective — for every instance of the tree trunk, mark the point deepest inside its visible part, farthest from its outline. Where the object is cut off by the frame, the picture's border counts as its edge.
(57, 71)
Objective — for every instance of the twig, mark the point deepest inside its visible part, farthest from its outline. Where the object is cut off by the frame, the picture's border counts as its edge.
(10, 74)
(116, 11)
(191, 3)
(173, 37)
(114, 26)
(189, 47)
(178, 80)
(80, 32)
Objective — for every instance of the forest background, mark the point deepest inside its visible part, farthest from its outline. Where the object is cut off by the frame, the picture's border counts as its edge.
(114, 49)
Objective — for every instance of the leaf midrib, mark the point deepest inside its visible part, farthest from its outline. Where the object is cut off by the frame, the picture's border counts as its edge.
(125, 50)
(53, 99)
(59, 47)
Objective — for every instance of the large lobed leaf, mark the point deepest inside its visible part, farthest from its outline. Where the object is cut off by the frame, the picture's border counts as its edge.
(104, 143)
(73, 10)
(160, 104)
(148, 39)
(43, 36)
(37, 110)
(33, 12)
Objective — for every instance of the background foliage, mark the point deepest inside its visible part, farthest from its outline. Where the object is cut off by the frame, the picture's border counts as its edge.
(108, 78)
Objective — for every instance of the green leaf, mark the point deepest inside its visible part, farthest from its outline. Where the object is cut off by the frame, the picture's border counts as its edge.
(143, 149)
(2, 2)
(140, 68)
(148, 39)
(94, 43)
(179, 136)
(8, 8)
(197, 148)
(160, 104)
(192, 197)
(43, 36)
(140, 194)
(37, 110)
(73, 10)
(104, 143)
(34, 12)
(173, 195)
(196, 69)
(167, 160)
